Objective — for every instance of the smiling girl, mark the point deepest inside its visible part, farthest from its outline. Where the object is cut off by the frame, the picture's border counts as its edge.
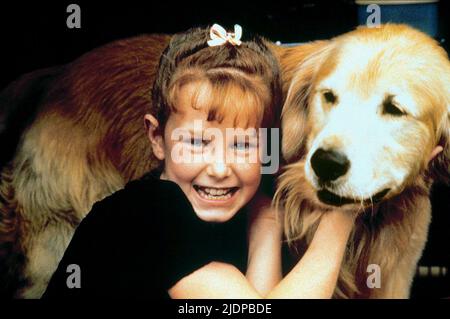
(182, 231)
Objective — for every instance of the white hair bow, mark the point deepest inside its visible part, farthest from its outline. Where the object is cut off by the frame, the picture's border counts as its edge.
(220, 36)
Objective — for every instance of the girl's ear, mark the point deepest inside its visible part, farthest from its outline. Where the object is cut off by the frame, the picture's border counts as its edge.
(155, 136)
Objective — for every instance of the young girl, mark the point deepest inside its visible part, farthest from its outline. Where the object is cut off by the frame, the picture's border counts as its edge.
(181, 231)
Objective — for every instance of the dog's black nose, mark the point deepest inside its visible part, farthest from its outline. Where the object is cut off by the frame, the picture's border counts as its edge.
(329, 165)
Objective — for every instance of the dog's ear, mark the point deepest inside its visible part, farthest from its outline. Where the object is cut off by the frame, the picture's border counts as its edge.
(441, 164)
(300, 65)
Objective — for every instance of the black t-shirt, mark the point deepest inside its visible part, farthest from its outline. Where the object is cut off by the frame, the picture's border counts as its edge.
(138, 242)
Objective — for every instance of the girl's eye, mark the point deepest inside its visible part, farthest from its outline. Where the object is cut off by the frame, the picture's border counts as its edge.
(243, 146)
(197, 142)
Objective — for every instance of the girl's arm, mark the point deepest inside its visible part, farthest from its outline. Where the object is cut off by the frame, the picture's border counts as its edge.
(265, 233)
(314, 276)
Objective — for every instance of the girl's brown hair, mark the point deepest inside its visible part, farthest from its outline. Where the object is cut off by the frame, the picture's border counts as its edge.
(242, 81)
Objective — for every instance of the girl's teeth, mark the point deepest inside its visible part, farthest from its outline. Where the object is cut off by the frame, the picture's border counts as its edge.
(215, 193)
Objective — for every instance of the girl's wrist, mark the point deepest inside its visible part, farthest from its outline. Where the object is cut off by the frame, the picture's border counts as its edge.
(334, 230)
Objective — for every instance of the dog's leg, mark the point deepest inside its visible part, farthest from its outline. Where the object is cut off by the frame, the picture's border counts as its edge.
(397, 284)
(44, 254)
(398, 276)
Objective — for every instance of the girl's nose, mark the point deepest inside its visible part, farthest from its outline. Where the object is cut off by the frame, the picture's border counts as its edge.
(218, 170)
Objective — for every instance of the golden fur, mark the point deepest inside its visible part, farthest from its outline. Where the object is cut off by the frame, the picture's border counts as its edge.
(85, 142)
(360, 67)
(86, 139)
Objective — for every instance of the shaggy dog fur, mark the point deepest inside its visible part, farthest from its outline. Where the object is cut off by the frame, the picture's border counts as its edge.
(380, 97)
(81, 137)
(85, 140)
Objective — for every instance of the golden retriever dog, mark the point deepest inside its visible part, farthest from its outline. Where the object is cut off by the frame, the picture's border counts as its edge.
(374, 99)
(366, 128)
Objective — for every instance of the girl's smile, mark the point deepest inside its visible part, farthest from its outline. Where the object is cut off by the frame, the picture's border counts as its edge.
(215, 194)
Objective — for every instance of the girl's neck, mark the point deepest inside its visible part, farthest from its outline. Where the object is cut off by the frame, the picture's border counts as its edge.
(163, 176)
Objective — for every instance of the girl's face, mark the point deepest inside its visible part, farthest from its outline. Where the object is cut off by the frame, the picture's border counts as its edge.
(216, 166)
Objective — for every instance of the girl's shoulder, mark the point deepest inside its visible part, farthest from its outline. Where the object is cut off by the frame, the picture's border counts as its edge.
(148, 199)
(150, 185)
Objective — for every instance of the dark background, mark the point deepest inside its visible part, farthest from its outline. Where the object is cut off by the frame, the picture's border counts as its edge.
(35, 35)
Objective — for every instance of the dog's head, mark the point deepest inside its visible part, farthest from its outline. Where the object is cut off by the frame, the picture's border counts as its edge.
(366, 113)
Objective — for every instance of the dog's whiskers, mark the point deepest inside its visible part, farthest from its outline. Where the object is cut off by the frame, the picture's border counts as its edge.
(361, 201)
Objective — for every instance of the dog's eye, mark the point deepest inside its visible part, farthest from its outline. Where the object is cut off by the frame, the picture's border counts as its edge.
(329, 97)
(390, 108)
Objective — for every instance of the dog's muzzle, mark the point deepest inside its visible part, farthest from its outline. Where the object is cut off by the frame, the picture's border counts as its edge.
(329, 198)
